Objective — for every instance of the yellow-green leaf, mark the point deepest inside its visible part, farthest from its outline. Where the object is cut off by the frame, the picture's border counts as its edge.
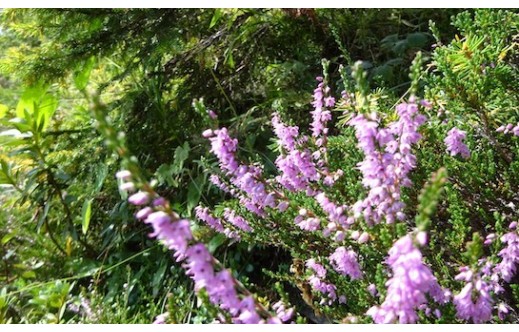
(86, 213)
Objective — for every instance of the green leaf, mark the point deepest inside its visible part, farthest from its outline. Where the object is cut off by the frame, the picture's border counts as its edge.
(35, 104)
(230, 60)
(101, 173)
(216, 17)
(216, 242)
(42, 217)
(3, 110)
(47, 107)
(181, 154)
(82, 76)
(30, 96)
(29, 275)
(194, 192)
(417, 39)
(8, 237)
(86, 213)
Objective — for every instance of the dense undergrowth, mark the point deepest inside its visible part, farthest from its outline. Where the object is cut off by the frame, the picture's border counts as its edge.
(389, 194)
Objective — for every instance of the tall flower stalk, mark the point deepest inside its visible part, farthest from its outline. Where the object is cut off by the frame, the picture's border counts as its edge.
(174, 232)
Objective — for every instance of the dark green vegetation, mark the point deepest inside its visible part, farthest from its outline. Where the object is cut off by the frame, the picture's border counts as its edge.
(67, 234)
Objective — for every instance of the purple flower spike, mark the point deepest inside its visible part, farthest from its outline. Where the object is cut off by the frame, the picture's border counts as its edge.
(411, 281)
(455, 145)
(345, 262)
(474, 301)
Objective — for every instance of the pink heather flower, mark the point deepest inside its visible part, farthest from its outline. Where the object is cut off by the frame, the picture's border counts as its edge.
(282, 206)
(287, 135)
(139, 198)
(254, 195)
(372, 289)
(319, 270)
(161, 319)
(316, 281)
(509, 128)
(207, 133)
(218, 182)
(219, 286)
(176, 235)
(474, 301)
(297, 170)
(320, 114)
(224, 147)
(388, 161)
(345, 262)
(407, 288)
(212, 114)
(489, 238)
(282, 312)
(127, 186)
(248, 314)
(123, 175)
(502, 310)
(236, 220)
(159, 201)
(204, 214)
(308, 224)
(327, 289)
(363, 238)
(421, 238)
(339, 236)
(455, 145)
(247, 179)
(335, 213)
(425, 103)
(509, 255)
(143, 213)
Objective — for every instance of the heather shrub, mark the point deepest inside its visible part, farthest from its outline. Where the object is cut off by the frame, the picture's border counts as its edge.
(402, 212)
(373, 206)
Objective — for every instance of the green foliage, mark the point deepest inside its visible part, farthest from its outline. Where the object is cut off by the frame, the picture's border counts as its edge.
(428, 199)
(66, 238)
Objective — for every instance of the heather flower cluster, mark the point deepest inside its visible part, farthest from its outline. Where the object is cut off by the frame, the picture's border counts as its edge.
(320, 114)
(296, 165)
(411, 281)
(254, 195)
(474, 302)
(341, 231)
(175, 234)
(336, 214)
(507, 268)
(454, 143)
(204, 214)
(316, 281)
(509, 128)
(387, 163)
(345, 262)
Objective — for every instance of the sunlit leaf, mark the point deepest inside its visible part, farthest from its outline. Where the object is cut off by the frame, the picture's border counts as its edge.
(86, 213)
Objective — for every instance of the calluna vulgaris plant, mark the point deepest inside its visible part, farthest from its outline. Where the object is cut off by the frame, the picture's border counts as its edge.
(360, 258)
